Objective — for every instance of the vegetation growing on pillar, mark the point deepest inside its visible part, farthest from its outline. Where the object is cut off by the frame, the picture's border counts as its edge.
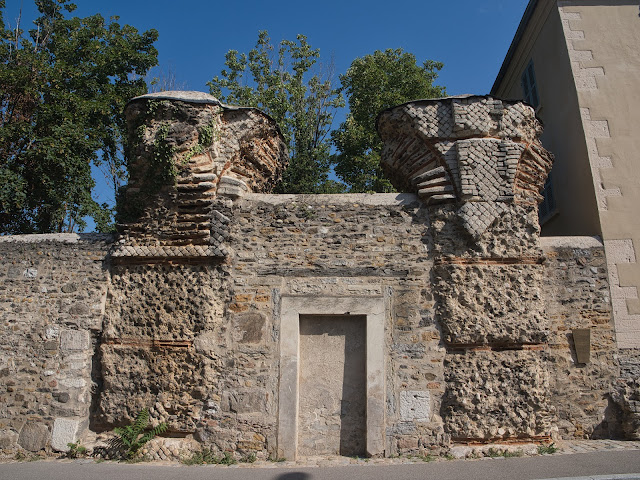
(158, 169)
(207, 134)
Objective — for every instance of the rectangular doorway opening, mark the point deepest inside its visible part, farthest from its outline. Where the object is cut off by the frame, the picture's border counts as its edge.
(332, 413)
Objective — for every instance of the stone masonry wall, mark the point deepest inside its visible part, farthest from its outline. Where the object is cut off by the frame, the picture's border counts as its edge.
(576, 296)
(165, 326)
(221, 385)
(477, 163)
(626, 395)
(337, 246)
(471, 322)
(52, 297)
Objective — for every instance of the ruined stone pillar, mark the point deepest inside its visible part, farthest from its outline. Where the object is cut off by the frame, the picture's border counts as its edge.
(478, 164)
(188, 155)
(163, 345)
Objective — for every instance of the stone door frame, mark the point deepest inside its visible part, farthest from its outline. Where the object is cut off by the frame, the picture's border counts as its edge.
(291, 307)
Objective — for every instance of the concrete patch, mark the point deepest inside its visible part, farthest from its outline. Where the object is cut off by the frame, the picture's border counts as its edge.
(74, 340)
(65, 431)
(415, 406)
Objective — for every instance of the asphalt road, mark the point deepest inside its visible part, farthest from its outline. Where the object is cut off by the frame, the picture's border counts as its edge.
(601, 464)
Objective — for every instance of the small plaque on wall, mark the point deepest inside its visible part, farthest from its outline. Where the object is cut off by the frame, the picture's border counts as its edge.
(582, 343)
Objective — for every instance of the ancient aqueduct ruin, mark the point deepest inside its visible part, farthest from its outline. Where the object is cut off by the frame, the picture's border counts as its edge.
(292, 325)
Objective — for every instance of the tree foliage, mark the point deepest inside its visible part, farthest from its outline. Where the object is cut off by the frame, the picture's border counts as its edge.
(371, 84)
(63, 88)
(283, 83)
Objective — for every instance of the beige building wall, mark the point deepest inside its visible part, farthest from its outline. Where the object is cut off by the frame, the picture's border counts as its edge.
(604, 47)
(543, 43)
(586, 56)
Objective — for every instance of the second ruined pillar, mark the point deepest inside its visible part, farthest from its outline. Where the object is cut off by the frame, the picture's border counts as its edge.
(478, 164)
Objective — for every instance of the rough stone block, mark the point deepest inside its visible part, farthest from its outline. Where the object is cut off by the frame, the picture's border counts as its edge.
(249, 327)
(206, 342)
(490, 304)
(173, 380)
(496, 394)
(154, 302)
(513, 233)
(65, 431)
(8, 438)
(30, 273)
(34, 436)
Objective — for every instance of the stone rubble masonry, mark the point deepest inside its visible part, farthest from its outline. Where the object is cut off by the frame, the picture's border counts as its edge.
(348, 245)
(53, 291)
(626, 394)
(478, 164)
(576, 295)
(168, 283)
(345, 247)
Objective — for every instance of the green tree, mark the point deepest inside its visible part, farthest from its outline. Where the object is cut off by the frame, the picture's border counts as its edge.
(371, 84)
(63, 88)
(303, 101)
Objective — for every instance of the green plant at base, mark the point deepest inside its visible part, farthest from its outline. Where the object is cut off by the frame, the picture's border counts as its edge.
(547, 449)
(494, 452)
(139, 459)
(76, 450)
(206, 456)
(251, 458)
(228, 459)
(508, 454)
(22, 457)
(424, 457)
(132, 437)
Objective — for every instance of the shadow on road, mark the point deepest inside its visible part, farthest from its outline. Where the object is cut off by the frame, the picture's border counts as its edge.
(293, 476)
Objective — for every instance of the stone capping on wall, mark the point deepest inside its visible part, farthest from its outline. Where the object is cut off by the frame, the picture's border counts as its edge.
(58, 237)
(191, 96)
(291, 307)
(570, 242)
(335, 198)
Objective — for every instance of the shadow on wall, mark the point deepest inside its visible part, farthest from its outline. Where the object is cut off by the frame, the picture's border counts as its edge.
(353, 409)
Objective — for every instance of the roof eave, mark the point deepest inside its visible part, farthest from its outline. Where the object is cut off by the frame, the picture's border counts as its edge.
(522, 26)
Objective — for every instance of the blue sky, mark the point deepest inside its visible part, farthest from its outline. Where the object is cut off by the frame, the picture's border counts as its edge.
(471, 38)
